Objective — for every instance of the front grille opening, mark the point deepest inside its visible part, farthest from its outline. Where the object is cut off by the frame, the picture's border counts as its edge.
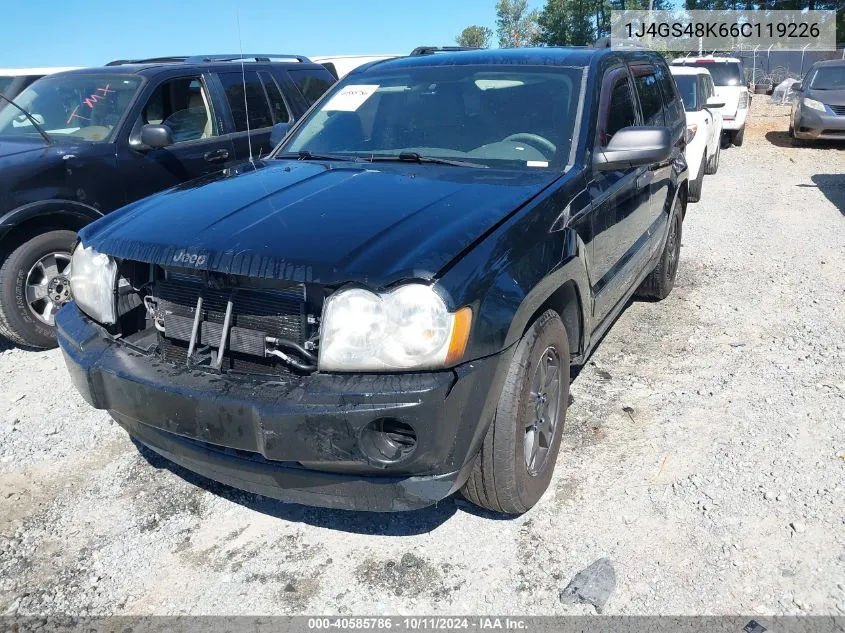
(271, 328)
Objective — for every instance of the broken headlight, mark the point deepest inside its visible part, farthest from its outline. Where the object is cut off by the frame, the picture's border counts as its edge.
(407, 328)
(92, 283)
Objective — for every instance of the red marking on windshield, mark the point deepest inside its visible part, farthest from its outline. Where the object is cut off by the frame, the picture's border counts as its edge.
(74, 115)
(90, 101)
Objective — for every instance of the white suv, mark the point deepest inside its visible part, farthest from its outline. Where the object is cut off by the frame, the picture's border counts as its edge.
(704, 124)
(729, 78)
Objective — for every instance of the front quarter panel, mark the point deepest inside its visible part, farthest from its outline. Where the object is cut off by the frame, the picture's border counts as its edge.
(507, 277)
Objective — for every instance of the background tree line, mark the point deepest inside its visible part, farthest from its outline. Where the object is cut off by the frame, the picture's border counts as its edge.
(582, 22)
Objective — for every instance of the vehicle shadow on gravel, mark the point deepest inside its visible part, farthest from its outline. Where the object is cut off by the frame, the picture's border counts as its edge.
(782, 139)
(408, 523)
(7, 345)
(833, 187)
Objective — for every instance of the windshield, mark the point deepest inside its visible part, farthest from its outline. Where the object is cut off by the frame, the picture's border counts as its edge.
(723, 73)
(84, 107)
(832, 78)
(688, 87)
(479, 114)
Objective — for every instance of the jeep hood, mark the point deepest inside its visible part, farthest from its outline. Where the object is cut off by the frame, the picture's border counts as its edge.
(328, 223)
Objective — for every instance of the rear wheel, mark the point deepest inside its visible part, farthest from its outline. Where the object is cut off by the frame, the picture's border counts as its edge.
(661, 280)
(34, 284)
(739, 137)
(518, 456)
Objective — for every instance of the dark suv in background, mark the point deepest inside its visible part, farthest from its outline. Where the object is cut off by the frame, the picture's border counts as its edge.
(80, 144)
(385, 310)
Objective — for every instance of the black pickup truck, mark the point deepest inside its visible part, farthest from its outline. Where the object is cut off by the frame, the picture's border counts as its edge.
(76, 145)
(386, 309)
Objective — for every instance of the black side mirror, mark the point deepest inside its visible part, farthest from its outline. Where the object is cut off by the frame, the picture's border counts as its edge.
(277, 133)
(633, 146)
(796, 87)
(156, 136)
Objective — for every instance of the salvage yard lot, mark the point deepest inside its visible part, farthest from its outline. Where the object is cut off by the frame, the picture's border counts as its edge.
(704, 456)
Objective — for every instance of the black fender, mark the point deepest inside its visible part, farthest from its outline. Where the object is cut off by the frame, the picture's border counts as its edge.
(517, 271)
(573, 273)
(72, 214)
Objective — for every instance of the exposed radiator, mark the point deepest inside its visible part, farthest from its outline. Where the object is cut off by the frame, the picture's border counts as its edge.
(257, 314)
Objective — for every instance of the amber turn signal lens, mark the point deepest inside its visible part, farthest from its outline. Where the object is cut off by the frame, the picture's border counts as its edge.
(460, 336)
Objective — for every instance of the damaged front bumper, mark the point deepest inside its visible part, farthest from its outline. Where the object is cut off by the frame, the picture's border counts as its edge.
(313, 439)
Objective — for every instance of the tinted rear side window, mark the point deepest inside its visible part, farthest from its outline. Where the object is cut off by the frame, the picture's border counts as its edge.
(277, 101)
(312, 83)
(255, 102)
(674, 107)
(651, 98)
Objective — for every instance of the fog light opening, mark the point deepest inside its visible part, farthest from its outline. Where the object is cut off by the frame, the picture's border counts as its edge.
(388, 441)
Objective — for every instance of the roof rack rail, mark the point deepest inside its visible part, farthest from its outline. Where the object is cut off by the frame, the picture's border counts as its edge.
(201, 59)
(430, 50)
(151, 60)
(258, 57)
(605, 42)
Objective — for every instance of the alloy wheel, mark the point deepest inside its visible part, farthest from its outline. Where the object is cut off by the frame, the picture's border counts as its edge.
(48, 286)
(544, 410)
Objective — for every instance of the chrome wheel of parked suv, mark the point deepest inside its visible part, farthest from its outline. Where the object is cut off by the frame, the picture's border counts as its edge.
(34, 284)
(517, 459)
(48, 286)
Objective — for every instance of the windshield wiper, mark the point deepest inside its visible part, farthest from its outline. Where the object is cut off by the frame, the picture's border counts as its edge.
(31, 118)
(414, 157)
(306, 155)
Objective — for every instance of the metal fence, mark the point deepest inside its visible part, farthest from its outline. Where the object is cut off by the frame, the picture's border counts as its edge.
(772, 67)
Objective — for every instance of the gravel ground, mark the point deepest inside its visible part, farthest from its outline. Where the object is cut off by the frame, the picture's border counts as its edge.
(703, 459)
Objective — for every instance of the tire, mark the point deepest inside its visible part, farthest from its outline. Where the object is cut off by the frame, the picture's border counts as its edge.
(713, 163)
(739, 137)
(661, 280)
(696, 185)
(18, 321)
(501, 479)
(791, 131)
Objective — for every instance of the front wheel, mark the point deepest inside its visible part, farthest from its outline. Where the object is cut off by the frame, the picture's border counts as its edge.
(518, 456)
(34, 284)
(713, 163)
(696, 185)
(739, 137)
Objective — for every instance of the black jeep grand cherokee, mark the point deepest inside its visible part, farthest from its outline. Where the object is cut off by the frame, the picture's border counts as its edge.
(385, 310)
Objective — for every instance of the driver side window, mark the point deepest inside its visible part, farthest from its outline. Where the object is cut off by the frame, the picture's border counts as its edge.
(184, 106)
(618, 106)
